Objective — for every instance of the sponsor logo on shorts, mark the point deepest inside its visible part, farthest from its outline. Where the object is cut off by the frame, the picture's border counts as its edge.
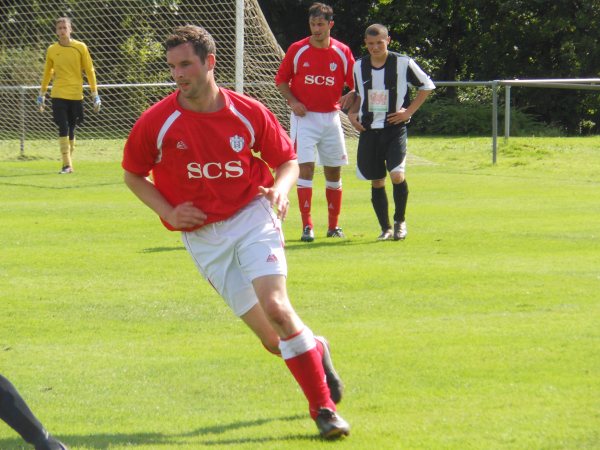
(272, 258)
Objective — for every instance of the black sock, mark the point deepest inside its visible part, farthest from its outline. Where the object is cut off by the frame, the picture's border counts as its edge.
(400, 201)
(380, 205)
(15, 412)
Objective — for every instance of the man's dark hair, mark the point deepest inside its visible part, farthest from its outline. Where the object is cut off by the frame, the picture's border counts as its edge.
(321, 10)
(376, 29)
(203, 42)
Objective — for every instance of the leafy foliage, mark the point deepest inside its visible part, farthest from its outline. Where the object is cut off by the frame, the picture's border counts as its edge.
(447, 117)
(484, 40)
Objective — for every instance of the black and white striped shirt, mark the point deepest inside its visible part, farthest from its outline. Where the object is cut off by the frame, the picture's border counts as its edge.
(384, 90)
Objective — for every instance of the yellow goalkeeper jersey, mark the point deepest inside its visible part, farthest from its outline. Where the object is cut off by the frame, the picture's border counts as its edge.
(64, 66)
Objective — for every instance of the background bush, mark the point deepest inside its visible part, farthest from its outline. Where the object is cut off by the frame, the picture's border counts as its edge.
(440, 116)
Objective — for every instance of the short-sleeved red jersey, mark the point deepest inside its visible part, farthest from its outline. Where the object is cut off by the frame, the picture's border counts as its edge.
(207, 158)
(317, 75)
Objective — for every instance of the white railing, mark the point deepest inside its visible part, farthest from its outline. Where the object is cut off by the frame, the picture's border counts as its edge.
(27, 94)
(557, 83)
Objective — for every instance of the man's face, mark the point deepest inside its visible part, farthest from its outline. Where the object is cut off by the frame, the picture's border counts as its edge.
(377, 45)
(63, 30)
(320, 28)
(188, 71)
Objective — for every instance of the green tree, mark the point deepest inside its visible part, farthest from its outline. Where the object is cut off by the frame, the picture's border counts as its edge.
(487, 40)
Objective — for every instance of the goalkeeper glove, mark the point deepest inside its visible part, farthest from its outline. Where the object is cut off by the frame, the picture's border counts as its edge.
(41, 101)
(97, 103)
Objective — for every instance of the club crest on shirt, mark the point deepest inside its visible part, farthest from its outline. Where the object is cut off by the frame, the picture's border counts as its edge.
(237, 143)
(332, 66)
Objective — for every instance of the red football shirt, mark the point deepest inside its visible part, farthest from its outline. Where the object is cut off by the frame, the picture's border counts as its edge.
(207, 158)
(317, 75)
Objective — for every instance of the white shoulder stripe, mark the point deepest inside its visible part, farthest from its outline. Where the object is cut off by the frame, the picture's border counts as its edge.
(163, 130)
(297, 56)
(343, 56)
(245, 121)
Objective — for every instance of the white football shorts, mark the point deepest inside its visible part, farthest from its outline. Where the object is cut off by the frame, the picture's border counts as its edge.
(321, 132)
(233, 252)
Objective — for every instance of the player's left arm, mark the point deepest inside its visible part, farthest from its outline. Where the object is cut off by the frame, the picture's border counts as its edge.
(277, 150)
(90, 73)
(277, 195)
(404, 114)
(417, 78)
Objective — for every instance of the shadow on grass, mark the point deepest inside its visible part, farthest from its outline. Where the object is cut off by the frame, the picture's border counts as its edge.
(297, 244)
(21, 174)
(59, 188)
(162, 249)
(205, 434)
(289, 245)
(85, 182)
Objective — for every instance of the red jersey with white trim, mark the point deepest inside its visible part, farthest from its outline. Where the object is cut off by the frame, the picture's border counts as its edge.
(317, 75)
(207, 158)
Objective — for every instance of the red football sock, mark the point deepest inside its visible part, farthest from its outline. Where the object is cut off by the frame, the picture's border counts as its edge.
(320, 348)
(334, 206)
(308, 372)
(304, 202)
(302, 356)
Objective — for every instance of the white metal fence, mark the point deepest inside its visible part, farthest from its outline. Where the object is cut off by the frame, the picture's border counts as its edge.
(557, 83)
(24, 102)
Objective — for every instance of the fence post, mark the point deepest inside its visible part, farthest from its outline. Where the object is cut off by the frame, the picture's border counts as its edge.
(22, 143)
(506, 112)
(239, 46)
(494, 119)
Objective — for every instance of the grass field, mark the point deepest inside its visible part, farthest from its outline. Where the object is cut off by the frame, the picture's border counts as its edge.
(480, 331)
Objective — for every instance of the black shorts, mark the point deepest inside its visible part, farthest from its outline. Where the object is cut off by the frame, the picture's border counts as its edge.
(380, 151)
(67, 112)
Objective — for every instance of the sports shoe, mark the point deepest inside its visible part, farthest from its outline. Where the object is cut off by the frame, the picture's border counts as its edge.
(385, 235)
(334, 382)
(400, 231)
(331, 425)
(66, 169)
(50, 443)
(336, 232)
(308, 234)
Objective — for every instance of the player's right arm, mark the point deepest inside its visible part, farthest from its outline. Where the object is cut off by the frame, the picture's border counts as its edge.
(353, 110)
(353, 117)
(296, 105)
(283, 77)
(46, 76)
(182, 216)
(48, 70)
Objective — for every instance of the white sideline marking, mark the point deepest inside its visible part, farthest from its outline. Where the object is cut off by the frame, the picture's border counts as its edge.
(415, 160)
